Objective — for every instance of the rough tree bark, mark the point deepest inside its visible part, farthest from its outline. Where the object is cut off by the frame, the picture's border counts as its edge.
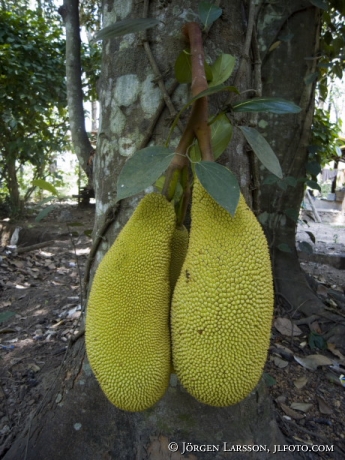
(81, 143)
(75, 421)
(293, 29)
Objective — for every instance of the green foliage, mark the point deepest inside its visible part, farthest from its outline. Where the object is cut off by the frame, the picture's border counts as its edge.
(33, 115)
(220, 183)
(142, 170)
(183, 68)
(44, 185)
(222, 69)
(124, 27)
(208, 13)
(324, 142)
(267, 104)
(324, 146)
(91, 54)
(331, 63)
(305, 247)
(317, 341)
(90, 12)
(262, 150)
(221, 134)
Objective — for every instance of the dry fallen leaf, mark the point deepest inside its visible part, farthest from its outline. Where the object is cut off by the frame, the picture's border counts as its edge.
(312, 362)
(280, 399)
(287, 327)
(301, 382)
(322, 290)
(303, 407)
(323, 406)
(332, 349)
(291, 413)
(274, 46)
(281, 363)
(315, 327)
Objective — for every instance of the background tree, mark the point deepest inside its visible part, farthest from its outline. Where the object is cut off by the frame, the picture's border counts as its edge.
(75, 94)
(275, 45)
(33, 121)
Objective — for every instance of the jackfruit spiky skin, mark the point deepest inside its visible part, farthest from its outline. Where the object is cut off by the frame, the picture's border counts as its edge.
(127, 320)
(179, 246)
(222, 305)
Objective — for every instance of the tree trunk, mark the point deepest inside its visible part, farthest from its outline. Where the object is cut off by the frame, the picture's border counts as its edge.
(81, 143)
(12, 184)
(294, 30)
(75, 420)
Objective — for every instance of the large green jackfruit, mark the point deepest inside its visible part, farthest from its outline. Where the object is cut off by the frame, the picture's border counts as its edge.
(179, 246)
(222, 305)
(127, 320)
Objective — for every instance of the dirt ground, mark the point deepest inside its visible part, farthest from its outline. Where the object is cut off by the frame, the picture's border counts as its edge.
(40, 309)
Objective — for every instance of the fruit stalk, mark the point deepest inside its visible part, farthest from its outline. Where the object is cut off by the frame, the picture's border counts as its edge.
(197, 126)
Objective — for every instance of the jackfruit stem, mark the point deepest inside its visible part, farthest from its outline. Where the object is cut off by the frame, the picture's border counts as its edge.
(171, 180)
(199, 115)
(197, 125)
(183, 204)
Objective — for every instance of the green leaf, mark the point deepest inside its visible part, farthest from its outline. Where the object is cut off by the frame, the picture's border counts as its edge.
(313, 168)
(41, 215)
(283, 185)
(127, 26)
(214, 90)
(221, 134)
(322, 4)
(270, 180)
(222, 69)
(313, 185)
(263, 217)
(6, 315)
(267, 104)
(207, 92)
(44, 185)
(142, 169)
(220, 183)
(269, 380)
(317, 341)
(292, 214)
(208, 13)
(284, 247)
(305, 247)
(183, 68)
(46, 200)
(263, 150)
(311, 236)
(290, 180)
(309, 79)
(338, 151)
(88, 232)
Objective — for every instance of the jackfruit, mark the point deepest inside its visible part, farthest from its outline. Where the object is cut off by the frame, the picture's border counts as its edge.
(222, 305)
(179, 246)
(127, 320)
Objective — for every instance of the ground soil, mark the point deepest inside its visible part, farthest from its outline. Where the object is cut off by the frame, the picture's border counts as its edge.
(41, 294)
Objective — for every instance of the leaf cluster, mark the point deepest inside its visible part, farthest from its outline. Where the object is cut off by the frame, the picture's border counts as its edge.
(145, 167)
(331, 64)
(325, 139)
(33, 116)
